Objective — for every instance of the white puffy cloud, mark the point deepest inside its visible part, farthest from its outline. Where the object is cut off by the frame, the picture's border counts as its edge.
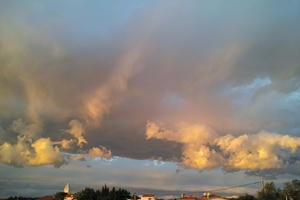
(77, 157)
(28, 153)
(203, 149)
(99, 152)
(184, 133)
(29, 150)
(258, 151)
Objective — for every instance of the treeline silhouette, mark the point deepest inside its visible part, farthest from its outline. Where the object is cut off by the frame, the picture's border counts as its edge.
(105, 193)
(21, 198)
(290, 191)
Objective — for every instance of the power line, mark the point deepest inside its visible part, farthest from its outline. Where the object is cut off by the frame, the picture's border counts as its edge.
(226, 188)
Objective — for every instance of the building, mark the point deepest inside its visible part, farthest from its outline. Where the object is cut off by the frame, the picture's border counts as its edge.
(187, 197)
(67, 188)
(210, 196)
(147, 197)
(69, 195)
(206, 196)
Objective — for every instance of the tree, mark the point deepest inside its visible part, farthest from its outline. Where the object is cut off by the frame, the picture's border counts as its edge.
(60, 195)
(21, 198)
(104, 194)
(122, 194)
(87, 194)
(292, 190)
(269, 192)
(246, 197)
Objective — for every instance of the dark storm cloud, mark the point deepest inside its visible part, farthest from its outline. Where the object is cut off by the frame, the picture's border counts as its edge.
(105, 71)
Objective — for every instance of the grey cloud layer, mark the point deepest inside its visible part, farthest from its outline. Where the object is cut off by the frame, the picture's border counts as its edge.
(89, 77)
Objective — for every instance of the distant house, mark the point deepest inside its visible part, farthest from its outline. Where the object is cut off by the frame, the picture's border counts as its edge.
(187, 197)
(69, 197)
(206, 196)
(209, 196)
(147, 197)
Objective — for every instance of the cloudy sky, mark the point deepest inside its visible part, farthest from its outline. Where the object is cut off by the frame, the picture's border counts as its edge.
(165, 95)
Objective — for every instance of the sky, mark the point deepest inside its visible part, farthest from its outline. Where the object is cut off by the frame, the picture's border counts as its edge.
(159, 96)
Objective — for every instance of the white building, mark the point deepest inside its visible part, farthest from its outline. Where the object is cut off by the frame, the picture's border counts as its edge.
(67, 188)
(69, 195)
(209, 196)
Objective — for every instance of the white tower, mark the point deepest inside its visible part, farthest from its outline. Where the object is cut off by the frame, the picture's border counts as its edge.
(67, 188)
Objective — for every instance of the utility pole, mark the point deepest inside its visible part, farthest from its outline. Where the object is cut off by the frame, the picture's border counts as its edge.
(287, 196)
(262, 183)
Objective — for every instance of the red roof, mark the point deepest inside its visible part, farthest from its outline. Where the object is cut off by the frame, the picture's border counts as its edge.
(203, 198)
(147, 195)
(194, 197)
(189, 196)
(210, 197)
(185, 198)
